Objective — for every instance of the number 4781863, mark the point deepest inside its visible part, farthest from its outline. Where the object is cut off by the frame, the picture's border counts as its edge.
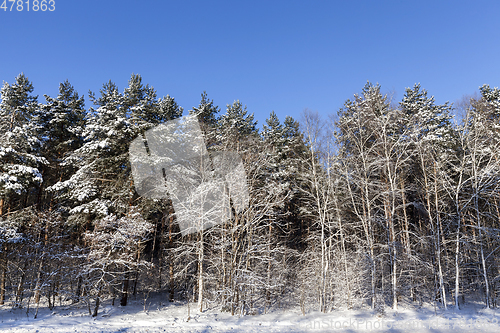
(33, 5)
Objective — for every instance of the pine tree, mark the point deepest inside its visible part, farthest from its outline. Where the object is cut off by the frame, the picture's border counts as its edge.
(61, 122)
(206, 111)
(430, 138)
(103, 185)
(236, 126)
(143, 107)
(272, 131)
(357, 142)
(101, 159)
(207, 114)
(20, 160)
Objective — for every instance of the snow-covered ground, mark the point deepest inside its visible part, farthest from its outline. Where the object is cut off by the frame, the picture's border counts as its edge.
(173, 317)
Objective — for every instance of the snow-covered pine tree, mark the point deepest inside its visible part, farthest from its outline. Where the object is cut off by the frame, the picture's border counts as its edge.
(143, 107)
(429, 137)
(235, 127)
(392, 161)
(292, 156)
(19, 145)
(273, 186)
(103, 184)
(20, 176)
(291, 152)
(272, 131)
(356, 140)
(61, 122)
(101, 161)
(235, 131)
(207, 114)
(206, 111)
(147, 111)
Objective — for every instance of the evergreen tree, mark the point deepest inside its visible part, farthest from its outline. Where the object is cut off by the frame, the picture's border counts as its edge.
(206, 111)
(236, 126)
(287, 152)
(61, 122)
(272, 131)
(144, 108)
(103, 183)
(430, 141)
(20, 160)
(101, 159)
(207, 114)
(357, 144)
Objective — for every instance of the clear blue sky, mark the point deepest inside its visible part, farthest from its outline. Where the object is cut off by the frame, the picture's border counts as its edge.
(271, 55)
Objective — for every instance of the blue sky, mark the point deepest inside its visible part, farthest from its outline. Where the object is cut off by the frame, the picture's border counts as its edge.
(271, 55)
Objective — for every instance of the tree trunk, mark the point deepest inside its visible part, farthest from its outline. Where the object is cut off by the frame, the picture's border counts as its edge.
(38, 282)
(388, 210)
(78, 289)
(365, 217)
(457, 244)
(434, 228)
(124, 295)
(20, 289)
(171, 262)
(438, 240)
(407, 241)
(483, 260)
(3, 277)
(479, 227)
(136, 278)
(268, 284)
(97, 303)
(200, 272)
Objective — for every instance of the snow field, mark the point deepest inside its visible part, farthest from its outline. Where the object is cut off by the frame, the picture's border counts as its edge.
(173, 317)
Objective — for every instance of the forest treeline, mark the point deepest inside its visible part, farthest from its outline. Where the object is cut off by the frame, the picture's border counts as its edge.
(382, 204)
